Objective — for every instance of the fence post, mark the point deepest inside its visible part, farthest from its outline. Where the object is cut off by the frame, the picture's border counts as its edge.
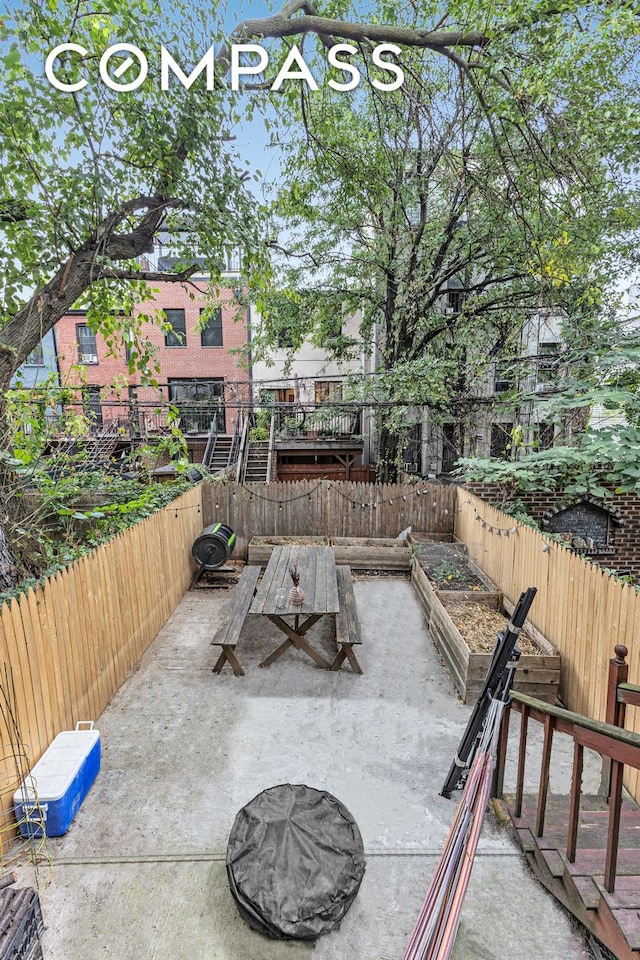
(618, 673)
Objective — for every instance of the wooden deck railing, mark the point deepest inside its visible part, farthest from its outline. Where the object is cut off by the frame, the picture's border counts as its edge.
(617, 747)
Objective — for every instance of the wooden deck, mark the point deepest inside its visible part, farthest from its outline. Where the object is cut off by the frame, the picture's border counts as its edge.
(614, 918)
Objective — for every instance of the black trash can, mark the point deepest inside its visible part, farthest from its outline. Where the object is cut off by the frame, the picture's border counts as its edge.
(214, 546)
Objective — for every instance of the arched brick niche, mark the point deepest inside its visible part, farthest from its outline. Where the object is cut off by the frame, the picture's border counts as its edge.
(587, 523)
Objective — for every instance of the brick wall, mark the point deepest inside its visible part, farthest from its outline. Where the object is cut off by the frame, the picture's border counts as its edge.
(188, 360)
(626, 536)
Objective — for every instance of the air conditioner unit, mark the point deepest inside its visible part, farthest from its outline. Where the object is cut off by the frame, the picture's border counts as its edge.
(450, 311)
(544, 387)
(410, 467)
(88, 358)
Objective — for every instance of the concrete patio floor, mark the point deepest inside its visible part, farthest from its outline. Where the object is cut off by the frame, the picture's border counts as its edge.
(141, 872)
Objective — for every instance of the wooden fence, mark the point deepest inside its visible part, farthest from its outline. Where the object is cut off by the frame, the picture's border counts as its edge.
(322, 508)
(66, 646)
(580, 608)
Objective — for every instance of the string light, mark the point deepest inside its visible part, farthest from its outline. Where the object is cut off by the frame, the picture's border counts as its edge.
(499, 531)
(329, 485)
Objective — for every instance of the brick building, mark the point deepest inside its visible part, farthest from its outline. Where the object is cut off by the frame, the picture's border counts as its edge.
(199, 370)
(607, 531)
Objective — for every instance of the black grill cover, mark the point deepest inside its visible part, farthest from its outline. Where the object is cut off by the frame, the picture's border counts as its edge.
(295, 862)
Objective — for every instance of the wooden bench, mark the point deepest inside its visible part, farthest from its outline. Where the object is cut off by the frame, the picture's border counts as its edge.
(347, 623)
(228, 632)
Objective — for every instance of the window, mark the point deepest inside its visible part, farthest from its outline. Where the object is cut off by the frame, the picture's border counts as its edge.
(176, 337)
(284, 338)
(328, 391)
(92, 405)
(199, 402)
(455, 296)
(232, 260)
(87, 348)
(504, 378)
(548, 358)
(544, 435)
(211, 333)
(334, 328)
(35, 358)
(452, 445)
(501, 440)
(455, 299)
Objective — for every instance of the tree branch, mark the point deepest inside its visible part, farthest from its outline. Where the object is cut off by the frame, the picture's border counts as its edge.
(112, 273)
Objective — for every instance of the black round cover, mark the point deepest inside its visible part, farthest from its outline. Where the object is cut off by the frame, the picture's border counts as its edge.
(295, 862)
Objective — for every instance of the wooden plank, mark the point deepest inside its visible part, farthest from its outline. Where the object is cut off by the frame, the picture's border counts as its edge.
(626, 894)
(554, 862)
(58, 639)
(235, 615)
(319, 578)
(263, 589)
(526, 838)
(629, 923)
(332, 599)
(591, 863)
(20, 682)
(37, 671)
(54, 669)
(348, 623)
(588, 892)
(312, 577)
(84, 631)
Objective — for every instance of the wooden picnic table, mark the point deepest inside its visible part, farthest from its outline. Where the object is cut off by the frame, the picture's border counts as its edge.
(318, 579)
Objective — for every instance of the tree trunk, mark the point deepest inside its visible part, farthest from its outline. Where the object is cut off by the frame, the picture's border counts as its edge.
(8, 563)
(389, 450)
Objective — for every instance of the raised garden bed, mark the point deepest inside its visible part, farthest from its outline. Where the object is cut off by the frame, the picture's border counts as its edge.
(538, 672)
(360, 553)
(448, 565)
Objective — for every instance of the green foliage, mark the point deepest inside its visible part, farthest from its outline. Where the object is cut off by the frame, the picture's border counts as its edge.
(601, 393)
(85, 167)
(511, 176)
(69, 514)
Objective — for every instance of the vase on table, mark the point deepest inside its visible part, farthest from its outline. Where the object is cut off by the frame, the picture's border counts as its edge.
(296, 594)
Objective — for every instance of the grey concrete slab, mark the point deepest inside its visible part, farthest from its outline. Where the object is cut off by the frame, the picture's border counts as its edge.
(140, 874)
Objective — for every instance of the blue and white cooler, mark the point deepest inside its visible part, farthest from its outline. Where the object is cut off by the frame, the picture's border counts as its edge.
(50, 795)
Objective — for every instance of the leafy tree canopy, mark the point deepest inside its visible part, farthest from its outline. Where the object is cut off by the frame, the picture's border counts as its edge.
(504, 171)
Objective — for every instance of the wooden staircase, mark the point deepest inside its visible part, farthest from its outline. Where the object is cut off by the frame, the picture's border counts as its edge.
(220, 455)
(580, 886)
(257, 461)
(584, 849)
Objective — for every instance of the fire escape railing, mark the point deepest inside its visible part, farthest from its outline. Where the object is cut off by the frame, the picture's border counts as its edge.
(272, 445)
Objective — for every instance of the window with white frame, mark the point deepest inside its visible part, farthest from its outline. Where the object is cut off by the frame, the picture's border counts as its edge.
(87, 346)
